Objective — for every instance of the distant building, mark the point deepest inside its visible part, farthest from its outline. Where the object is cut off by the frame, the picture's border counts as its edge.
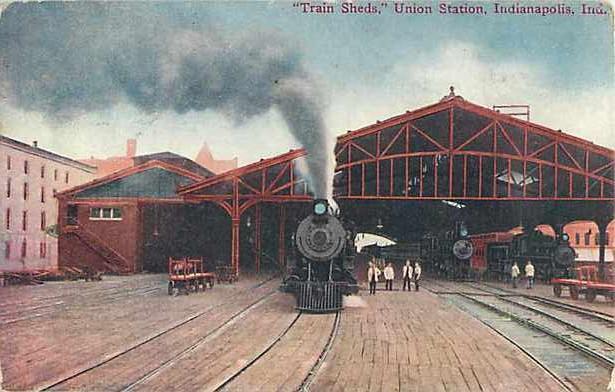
(206, 159)
(585, 239)
(110, 165)
(29, 179)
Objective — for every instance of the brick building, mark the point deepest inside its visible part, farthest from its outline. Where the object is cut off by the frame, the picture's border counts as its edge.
(29, 178)
(133, 220)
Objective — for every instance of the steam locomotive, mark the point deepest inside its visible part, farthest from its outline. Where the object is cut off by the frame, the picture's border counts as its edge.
(322, 271)
(496, 252)
(448, 254)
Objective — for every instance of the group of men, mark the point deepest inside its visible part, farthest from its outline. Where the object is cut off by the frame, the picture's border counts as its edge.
(410, 273)
(529, 274)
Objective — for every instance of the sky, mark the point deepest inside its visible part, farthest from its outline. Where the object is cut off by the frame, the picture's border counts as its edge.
(81, 81)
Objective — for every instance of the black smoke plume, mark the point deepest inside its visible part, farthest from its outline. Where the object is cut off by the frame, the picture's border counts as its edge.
(66, 59)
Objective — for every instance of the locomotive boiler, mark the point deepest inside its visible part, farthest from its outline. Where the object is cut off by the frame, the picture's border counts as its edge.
(322, 270)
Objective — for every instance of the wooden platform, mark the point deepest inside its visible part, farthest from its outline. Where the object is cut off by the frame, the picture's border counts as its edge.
(414, 342)
(398, 341)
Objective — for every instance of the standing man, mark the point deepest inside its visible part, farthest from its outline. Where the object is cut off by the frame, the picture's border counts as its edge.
(529, 273)
(372, 276)
(389, 275)
(514, 273)
(417, 275)
(408, 271)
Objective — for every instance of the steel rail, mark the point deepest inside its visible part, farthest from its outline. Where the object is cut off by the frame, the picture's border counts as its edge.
(603, 316)
(560, 380)
(245, 367)
(600, 358)
(151, 338)
(311, 376)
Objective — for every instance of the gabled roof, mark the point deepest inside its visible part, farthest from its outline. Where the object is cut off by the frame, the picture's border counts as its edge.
(176, 160)
(243, 170)
(458, 102)
(152, 164)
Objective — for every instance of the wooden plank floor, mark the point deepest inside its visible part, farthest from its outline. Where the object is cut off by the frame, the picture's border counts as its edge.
(285, 366)
(105, 319)
(414, 342)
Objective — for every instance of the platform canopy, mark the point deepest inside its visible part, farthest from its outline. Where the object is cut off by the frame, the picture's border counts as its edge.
(458, 150)
(277, 179)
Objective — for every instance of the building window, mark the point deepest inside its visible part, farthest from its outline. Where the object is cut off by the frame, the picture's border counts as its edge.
(7, 250)
(42, 171)
(587, 238)
(8, 162)
(606, 238)
(25, 191)
(8, 219)
(55, 174)
(8, 187)
(43, 220)
(25, 166)
(43, 250)
(577, 238)
(24, 220)
(24, 248)
(597, 239)
(72, 215)
(42, 194)
(106, 213)
(66, 177)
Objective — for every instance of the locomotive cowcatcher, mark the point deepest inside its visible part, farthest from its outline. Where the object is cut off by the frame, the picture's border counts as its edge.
(322, 271)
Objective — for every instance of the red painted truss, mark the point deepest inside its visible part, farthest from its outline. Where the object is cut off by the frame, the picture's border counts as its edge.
(459, 150)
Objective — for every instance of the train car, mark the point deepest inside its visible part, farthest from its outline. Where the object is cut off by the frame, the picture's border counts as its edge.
(323, 272)
(496, 252)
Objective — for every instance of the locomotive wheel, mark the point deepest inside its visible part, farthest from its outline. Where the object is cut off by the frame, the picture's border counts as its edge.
(557, 290)
(170, 288)
(574, 292)
(590, 295)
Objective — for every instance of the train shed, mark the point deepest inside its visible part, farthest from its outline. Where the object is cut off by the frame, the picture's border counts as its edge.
(400, 178)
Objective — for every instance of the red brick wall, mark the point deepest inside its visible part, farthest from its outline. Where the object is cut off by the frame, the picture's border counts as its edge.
(120, 235)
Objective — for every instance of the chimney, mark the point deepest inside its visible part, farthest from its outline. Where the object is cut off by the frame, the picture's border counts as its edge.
(131, 148)
(35, 144)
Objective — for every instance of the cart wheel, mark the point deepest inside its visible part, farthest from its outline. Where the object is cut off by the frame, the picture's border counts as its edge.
(557, 290)
(590, 295)
(574, 292)
(170, 288)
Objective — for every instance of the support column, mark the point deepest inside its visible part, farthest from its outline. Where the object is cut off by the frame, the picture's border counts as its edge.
(282, 236)
(257, 237)
(602, 226)
(235, 244)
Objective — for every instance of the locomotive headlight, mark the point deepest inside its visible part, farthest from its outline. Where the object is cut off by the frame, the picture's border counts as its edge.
(320, 208)
(565, 237)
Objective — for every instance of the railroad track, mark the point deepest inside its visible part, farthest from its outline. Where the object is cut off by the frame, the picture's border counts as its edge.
(311, 375)
(578, 343)
(152, 339)
(563, 305)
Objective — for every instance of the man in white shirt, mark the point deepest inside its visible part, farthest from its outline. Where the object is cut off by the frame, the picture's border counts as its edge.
(514, 273)
(417, 275)
(372, 277)
(529, 273)
(389, 275)
(407, 273)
